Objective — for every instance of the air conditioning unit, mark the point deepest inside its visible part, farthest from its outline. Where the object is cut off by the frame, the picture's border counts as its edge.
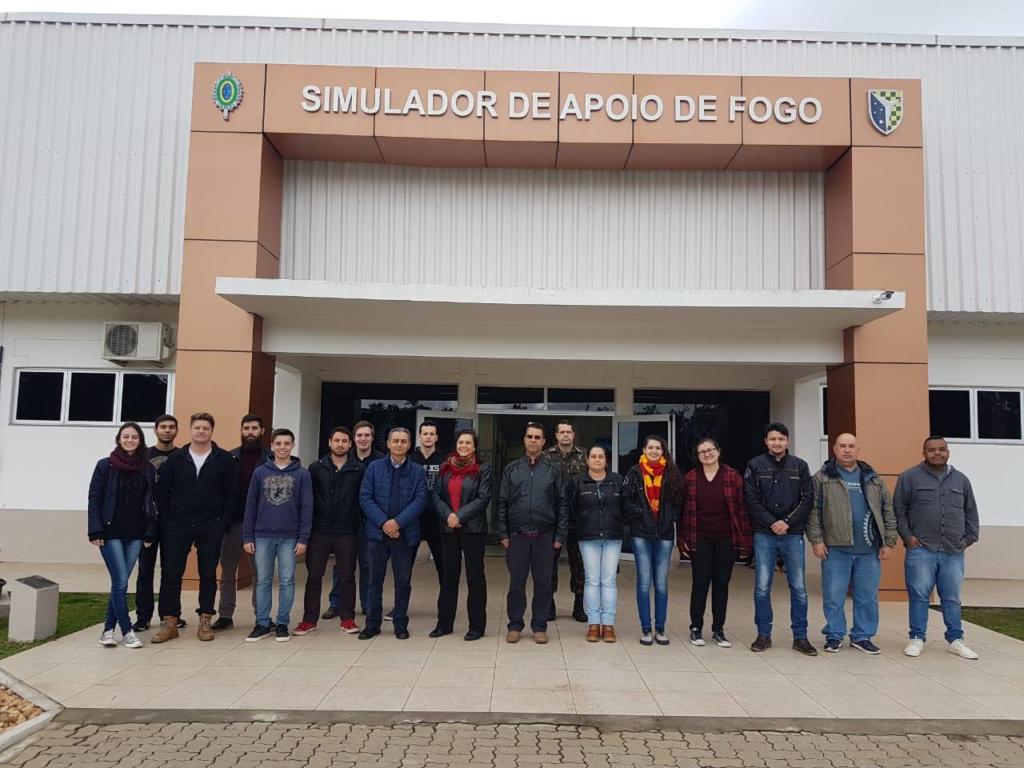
(125, 343)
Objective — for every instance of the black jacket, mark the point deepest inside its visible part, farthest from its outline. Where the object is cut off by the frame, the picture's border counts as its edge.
(641, 520)
(475, 499)
(336, 495)
(185, 499)
(532, 498)
(778, 490)
(103, 489)
(598, 506)
(432, 466)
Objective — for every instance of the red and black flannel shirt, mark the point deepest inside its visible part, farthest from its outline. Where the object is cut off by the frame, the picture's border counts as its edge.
(732, 483)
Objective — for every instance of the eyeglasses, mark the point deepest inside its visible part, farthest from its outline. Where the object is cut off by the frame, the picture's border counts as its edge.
(707, 452)
(534, 437)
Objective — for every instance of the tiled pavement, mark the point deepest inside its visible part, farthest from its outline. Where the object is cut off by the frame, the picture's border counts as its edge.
(328, 670)
(240, 745)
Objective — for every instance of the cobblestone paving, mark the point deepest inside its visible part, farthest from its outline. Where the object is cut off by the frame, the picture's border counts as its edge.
(239, 745)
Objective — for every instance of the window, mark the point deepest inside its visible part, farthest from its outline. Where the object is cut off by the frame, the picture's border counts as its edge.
(545, 399)
(511, 398)
(561, 399)
(999, 415)
(40, 396)
(949, 412)
(90, 397)
(824, 411)
(143, 396)
(976, 414)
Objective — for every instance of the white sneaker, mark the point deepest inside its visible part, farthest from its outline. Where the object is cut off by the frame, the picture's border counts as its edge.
(959, 648)
(107, 638)
(914, 648)
(130, 640)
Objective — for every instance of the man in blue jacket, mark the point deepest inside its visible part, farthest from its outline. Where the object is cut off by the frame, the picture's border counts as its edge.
(392, 496)
(276, 527)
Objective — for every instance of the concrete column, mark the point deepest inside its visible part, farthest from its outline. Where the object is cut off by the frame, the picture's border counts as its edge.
(874, 224)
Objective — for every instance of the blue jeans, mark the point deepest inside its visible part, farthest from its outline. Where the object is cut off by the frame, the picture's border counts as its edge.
(838, 571)
(652, 559)
(926, 570)
(401, 554)
(267, 551)
(120, 556)
(767, 546)
(600, 593)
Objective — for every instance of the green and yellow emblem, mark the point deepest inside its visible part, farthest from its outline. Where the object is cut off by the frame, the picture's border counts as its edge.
(227, 93)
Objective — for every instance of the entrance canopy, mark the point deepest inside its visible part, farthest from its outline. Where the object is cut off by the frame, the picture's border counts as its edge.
(781, 327)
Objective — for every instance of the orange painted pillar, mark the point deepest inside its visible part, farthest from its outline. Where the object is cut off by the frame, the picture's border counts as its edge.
(232, 228)
(874, 228)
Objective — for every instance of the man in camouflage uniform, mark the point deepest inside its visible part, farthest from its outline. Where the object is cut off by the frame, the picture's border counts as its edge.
(571, 461)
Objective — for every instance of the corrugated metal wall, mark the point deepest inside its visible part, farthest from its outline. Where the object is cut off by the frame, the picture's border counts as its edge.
(93, 156)
(552, 229)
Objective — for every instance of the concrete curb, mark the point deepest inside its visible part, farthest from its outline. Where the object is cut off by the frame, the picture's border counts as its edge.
(50, 708)
(869, 727)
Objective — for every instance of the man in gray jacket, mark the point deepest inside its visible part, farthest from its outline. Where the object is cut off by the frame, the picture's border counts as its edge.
(937, 519)
(852, 528)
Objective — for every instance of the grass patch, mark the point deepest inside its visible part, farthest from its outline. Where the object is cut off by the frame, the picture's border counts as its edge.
(75, 611)
(1007, 621)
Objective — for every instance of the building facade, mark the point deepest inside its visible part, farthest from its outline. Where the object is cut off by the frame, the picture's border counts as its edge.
(326, 247)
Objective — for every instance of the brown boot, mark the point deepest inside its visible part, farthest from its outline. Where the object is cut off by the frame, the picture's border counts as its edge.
(608, 633)
(593, 633)
(168, 630)
(205, 630)
(513, 636)
(540, 637)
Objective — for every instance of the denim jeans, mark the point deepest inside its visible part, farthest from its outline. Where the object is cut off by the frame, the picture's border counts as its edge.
(267, 551)
(120, 556)
(767, 546)
(926, 570)
(401, 555)
(652, 560)
(838, 571)
(600, 593)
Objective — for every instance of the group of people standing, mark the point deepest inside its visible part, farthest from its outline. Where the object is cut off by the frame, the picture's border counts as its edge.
(367, 508)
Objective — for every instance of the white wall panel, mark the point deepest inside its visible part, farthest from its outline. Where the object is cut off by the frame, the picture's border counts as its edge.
(552, 229)
(93, 155)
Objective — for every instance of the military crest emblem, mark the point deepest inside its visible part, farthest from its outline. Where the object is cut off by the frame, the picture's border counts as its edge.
(885, 109)
(278, 489)
(227, 93)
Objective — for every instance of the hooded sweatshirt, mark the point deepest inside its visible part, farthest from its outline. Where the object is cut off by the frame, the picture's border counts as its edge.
(279, 504)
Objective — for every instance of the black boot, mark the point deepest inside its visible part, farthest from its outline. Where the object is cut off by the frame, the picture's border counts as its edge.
(577, 610)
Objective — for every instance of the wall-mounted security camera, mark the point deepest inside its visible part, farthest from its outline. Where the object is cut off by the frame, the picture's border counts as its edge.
(883, 296)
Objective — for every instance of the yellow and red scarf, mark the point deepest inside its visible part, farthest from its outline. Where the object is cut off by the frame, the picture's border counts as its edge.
(653, 475)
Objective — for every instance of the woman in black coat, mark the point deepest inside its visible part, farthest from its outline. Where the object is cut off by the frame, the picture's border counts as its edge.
(462, 495)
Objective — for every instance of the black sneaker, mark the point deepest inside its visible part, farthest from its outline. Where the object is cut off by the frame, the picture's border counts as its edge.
(390, 615)
(182, 623)
(281, 633)
(867, 646)
(804, 646)
(832, 645)
(222, 623)
(140, 626)
(578, 613)
(257, 634)
(331, 613)
(720, 639)
(761, 643)
(696, 637)
(368, 634)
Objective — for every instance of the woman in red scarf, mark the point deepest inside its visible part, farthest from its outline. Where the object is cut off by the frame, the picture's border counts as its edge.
(462, 495)
(122, 517)
(653, 495)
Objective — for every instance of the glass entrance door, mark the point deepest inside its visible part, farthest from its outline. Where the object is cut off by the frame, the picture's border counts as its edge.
(448, 424)
(631, 431)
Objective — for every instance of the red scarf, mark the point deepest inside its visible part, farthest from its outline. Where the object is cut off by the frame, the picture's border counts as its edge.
(653, 475)
(126, 462)
(454, 470)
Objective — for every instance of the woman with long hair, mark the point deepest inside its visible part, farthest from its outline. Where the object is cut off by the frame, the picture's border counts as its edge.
(462, 495)
(597, 507)
(122, 519)
(713, 529)
(654, 495)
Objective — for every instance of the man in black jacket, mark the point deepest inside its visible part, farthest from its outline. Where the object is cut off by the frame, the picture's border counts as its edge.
(533, 518)
(336, 521)
(249, 454)
(197, 491)
(779, 494)
(428, 457)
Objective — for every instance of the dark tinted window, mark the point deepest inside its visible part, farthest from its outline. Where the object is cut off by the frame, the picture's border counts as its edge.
(143, 396)
(824, 410)
(39, 395)
(998, 415)
(512, 398)
(92, 397)
(566, 399)
(950, 412)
